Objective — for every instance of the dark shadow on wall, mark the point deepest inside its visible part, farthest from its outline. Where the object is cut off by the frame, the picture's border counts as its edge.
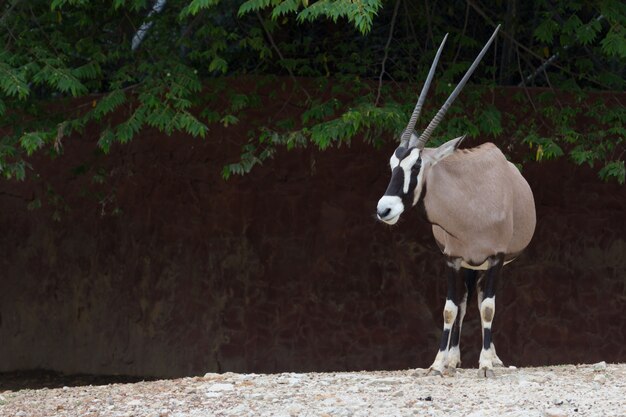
(38, 379)
(167, 270)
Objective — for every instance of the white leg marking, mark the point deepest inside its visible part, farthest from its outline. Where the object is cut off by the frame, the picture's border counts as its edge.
(496, 360)
(454, 357)
(450, 311)
(488, 356)
(487, 359)
(487, 311)
(454, 353)
(441, 361)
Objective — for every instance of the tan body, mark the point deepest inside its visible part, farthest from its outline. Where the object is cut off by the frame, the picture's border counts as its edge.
(479, 205)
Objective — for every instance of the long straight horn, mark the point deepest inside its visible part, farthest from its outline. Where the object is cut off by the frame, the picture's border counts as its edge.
(433, 123)
(406, 135)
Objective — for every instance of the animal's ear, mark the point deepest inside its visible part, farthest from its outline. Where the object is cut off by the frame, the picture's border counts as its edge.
(446, 149)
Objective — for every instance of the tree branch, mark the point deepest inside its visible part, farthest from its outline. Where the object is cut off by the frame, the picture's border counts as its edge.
(410, 26)
(481, 12)
(519, 66)
(141, 33)
(429, 25)
(553, 58)
(382, 71)
(6, 14)
(280, 55)
(458, 49)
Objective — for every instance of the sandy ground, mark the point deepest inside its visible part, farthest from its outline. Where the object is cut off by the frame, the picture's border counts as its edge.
(582, 390)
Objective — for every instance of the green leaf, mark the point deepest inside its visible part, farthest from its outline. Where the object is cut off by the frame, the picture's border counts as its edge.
(581, 156)
(572, 24)
(109, 103)
(106, 140)
(614, 44)
(187, 122)
(587, 33)
(614, 169)
(32, 141)
(489, 121)
(285, 7)
(12, 82)
(546, 30)
(228, 120)
(218, 64)
(252, 6)
(195, 6)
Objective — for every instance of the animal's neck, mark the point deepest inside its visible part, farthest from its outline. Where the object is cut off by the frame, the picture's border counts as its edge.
(439, 202)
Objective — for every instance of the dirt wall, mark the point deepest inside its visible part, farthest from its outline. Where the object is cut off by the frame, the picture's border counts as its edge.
(167, 270)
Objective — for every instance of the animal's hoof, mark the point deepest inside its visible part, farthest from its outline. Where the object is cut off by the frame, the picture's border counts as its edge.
(450, 371)
(486, 373)
(434, 372)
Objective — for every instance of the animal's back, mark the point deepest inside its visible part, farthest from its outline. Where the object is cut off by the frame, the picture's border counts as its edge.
(480, 205)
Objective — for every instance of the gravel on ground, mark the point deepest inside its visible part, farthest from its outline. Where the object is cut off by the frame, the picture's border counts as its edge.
(568, 390)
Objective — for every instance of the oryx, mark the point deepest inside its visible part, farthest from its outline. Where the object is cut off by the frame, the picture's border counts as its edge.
(481, 210)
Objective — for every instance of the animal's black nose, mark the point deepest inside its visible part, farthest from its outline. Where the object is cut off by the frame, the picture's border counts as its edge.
(384, 213)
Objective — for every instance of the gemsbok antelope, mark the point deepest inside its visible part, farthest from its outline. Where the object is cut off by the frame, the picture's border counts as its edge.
(482, 214)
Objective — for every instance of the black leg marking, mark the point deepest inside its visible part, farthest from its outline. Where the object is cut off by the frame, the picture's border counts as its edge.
(487, 305)
(470, 285)
(486, 338)
(489, 291)
(470, 281)
(451, 319)
(443, 344)
(456, 292)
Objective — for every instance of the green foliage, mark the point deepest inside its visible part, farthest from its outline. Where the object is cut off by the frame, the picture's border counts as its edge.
(359, 13)
(615, 42)
(546, 30)
(614, 169)
(32, 141)
(489, 121)
(546, 148)
(196, 5)
(327, 55)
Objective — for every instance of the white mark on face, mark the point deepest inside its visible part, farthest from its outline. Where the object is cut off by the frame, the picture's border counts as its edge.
(406, 164)
(393, 161)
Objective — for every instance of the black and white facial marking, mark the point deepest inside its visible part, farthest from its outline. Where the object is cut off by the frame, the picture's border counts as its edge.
(405, 185)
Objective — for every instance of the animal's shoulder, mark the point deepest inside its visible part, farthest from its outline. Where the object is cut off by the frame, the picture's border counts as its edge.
(486, 151)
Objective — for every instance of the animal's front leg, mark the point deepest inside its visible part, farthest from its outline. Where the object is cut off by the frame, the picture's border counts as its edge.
(454, 351)
(487, 306)
(451, 318)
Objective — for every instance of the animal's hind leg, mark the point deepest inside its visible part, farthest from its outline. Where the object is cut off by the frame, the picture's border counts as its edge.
(496, 361)
(451, 319)
(454, 353)
(487, 306)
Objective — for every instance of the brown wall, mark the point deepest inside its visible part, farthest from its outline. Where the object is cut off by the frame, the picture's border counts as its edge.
(284, 269)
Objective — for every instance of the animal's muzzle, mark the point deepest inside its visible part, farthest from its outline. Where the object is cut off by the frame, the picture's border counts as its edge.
(389, 209)
(383, 213)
